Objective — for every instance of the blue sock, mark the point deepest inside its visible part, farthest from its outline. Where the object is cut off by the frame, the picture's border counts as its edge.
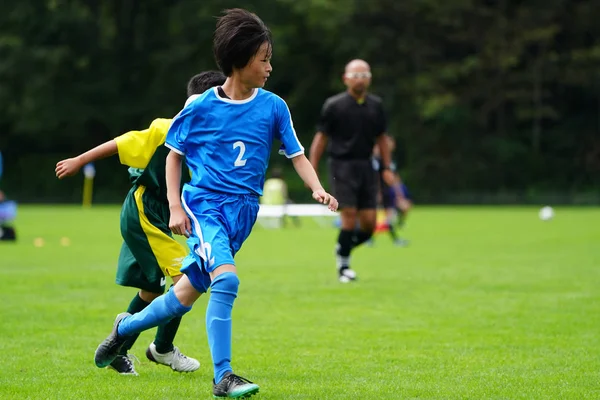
(159, 312)
(218, 321)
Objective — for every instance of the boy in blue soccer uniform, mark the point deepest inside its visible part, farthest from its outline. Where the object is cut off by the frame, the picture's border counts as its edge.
(226, 137)
(149, 252)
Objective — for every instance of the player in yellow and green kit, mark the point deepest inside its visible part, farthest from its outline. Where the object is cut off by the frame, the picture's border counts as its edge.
(149, 252)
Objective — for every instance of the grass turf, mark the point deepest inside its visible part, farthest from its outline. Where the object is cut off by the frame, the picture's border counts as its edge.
(486, 303)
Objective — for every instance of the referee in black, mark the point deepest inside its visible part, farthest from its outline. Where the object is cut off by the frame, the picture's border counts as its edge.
(351, 123)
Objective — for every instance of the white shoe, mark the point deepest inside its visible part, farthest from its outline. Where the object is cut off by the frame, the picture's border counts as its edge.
(174, 359)
(347, 275)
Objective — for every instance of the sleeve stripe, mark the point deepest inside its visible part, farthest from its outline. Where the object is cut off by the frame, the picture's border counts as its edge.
(176, 150)
(293, 130)
(296, 154)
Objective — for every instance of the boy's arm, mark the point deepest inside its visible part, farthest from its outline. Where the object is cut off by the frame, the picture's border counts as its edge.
(71, 166)
(310, 178)
(386, 159)
(325, 127)
(179, 223)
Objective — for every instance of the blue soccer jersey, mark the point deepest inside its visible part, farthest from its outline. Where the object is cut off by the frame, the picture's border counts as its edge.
(227, 143)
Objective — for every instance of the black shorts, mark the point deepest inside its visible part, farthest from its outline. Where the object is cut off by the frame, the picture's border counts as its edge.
(354, 183)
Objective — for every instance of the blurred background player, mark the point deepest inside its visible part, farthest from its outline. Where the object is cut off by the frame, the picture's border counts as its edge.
(350, 125)
(275, 192)
(395, 199)
(8, 212)
(149, 251)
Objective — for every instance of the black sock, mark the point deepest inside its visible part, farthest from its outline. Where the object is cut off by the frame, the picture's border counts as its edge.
(360, 237)
(165, 335)
(7, 233)
(344, 243)
(344, 246)
(136, 305)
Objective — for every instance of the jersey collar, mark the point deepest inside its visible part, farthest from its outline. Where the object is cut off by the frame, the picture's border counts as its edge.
(249, 99)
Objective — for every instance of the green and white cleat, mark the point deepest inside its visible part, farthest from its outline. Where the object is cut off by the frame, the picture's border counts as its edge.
(234, 387)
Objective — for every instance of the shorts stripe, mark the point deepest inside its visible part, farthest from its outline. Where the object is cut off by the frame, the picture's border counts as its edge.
(168, 252)
(196, 228)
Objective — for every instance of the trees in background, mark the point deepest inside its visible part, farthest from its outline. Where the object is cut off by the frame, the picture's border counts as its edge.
(485, 97)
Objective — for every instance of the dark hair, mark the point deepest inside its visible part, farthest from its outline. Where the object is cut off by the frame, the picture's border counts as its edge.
(203, 81)
(237, 38)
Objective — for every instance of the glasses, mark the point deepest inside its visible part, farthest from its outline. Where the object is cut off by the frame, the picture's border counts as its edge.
(358, 75)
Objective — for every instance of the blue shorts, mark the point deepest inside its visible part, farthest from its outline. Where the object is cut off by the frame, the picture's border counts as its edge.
(220, 225)
(389, 196)
(8, 211)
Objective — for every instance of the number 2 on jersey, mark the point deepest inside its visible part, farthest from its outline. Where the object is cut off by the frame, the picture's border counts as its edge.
(238, 161)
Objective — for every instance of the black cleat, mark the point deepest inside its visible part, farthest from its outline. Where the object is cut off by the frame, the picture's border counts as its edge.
(109, 349)
(234, 387)
(123, 365)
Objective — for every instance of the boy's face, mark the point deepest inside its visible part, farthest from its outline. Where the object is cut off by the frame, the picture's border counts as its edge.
(259, 68)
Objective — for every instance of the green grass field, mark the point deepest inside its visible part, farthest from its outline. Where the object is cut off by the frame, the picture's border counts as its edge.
(486, 303)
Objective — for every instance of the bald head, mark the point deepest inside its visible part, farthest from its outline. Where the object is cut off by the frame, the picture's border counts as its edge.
(357, 77)
(357, 65)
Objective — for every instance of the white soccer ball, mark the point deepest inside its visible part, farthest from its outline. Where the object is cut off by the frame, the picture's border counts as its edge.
(546, 213)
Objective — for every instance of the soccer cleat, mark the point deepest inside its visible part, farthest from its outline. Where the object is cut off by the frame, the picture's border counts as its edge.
(174, 359)
(401, 242)
(234, 387)
(123, 365)
(109, 349)
(346, 275)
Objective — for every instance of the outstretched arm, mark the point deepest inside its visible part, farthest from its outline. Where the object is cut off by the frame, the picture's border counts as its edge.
(310, 178)
(71, 166)
(179, 223)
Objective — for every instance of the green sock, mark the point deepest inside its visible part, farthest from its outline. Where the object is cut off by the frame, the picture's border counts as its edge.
(392, 230)
(136, 305)
(165, 335)
(400, 219)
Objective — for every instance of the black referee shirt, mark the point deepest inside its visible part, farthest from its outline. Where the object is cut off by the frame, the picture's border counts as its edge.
(352, 128)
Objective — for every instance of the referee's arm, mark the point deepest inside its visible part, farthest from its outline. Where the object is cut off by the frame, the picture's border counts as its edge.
(317, 147)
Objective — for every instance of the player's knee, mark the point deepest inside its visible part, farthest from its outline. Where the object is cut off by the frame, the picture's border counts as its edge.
(348, 221)
(176, 306)
(227, 283)
(148, 296)
(367, 228)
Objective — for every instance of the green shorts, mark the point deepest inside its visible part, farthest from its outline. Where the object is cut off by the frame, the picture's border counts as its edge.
(149, 252)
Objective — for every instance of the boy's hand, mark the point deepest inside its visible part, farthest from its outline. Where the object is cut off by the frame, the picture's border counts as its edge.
(68, 167)
(388, 177)
(403, 204)
(179, 223)
(323, 197)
